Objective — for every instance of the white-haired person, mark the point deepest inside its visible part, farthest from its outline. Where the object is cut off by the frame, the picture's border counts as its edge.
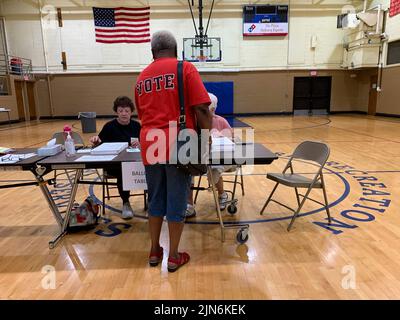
(220, 127)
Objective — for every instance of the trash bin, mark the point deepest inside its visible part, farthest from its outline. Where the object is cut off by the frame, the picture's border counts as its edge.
(88, 121)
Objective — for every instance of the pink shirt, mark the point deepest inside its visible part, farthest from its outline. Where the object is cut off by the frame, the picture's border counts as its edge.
(219, 124)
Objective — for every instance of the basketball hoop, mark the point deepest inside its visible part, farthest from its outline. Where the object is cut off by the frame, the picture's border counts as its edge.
(201, 51)
(202, 58)
(201, 48)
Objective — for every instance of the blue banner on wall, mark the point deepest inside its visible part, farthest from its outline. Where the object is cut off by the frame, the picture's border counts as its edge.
(224, 93)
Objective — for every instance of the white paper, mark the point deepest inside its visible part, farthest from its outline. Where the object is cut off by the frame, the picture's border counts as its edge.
(133, 150)
(222, 144)
(110, 148)
(88, 150)
(133, 176)
(95, 158)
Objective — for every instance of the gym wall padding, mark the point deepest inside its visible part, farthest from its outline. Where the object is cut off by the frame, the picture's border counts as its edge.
(224, 92)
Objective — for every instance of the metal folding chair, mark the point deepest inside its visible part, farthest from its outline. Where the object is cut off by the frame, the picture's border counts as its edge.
(59, 136)
(310, 152)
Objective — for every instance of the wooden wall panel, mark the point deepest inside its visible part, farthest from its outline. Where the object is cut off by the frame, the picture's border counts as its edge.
(254, 92)
(389, 97)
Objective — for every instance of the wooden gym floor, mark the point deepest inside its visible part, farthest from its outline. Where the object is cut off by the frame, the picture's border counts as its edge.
(357, 258)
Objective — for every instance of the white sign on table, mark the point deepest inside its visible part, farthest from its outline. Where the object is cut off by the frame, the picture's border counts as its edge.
(133, 176)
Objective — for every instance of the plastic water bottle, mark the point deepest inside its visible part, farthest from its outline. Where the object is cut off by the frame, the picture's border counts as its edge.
(69, 146)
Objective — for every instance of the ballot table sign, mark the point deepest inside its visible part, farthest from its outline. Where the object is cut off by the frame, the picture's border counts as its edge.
(133, 176)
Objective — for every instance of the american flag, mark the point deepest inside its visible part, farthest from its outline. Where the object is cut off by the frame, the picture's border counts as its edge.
(122, 25)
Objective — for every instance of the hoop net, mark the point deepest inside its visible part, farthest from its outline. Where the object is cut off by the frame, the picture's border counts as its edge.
(202, 58)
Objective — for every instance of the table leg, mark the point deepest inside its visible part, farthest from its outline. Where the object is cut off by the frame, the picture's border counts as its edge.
(219, 215)
(53, 207)
(62, 222)
(75, 185)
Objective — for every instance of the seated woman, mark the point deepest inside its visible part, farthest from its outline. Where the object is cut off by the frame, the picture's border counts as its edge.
(220, 127)
(121, 129)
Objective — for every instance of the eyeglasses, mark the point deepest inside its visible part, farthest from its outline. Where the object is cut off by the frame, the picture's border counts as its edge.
(10, 158)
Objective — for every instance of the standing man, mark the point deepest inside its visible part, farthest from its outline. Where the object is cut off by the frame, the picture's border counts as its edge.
(121, 129)
(157, 102)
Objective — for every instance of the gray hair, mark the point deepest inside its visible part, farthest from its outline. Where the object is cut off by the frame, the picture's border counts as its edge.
(163, 40)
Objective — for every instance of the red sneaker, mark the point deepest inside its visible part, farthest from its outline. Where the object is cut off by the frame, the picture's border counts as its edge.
(175, 264)
(156, 258)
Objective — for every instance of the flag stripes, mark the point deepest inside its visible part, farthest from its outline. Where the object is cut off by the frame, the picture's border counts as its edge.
(122, 25)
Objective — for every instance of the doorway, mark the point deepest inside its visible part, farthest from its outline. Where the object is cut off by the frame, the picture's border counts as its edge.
(20, 100)
(312, 95)
(373, 95)
(26, 105)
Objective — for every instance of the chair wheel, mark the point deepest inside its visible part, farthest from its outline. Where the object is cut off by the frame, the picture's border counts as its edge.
(243, 235)
(232, 209)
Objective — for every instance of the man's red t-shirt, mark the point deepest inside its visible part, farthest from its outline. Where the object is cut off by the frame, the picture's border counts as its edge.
(157, 103)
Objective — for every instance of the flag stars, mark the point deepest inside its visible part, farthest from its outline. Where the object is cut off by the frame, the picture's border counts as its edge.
(104, 17)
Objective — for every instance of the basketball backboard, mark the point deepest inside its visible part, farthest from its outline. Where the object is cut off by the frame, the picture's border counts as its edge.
(201, 50)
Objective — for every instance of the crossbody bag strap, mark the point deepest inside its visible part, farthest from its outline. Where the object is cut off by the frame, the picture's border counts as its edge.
(182, 116)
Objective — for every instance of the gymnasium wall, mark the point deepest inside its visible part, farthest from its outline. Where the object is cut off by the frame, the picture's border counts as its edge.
(390, 94)
(262, 69)
(392, 23)
(9, 102)
(388, 99)
(254, 92)
(393, 27)
(76, 37)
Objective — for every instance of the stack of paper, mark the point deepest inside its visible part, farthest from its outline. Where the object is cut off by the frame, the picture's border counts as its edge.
(85, 150)
(88, 158)
(109, 148)
(222, 144)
